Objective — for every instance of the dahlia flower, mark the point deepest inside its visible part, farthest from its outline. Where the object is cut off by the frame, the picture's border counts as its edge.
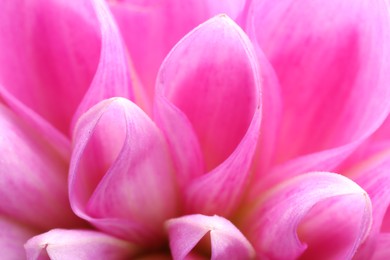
(195, 129)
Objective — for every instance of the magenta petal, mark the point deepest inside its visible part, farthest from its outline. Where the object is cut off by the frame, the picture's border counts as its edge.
(331, 60)
(112, 78)
(151, 28)
(320, 161)
(13, 235)
(121, 176)
(309, 206)
(52, 135)
(372, 174)
(208, 105)
(77, 244)
(48, 55)
(382, 249)
(227, 242)
(33, 176)
(271, 115)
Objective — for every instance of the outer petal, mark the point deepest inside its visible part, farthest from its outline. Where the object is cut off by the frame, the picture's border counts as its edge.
(48, 54)
(13, 235)
(77, 244)
(331, 60)
(152, 28)
(208, 105)
(334, 211)
(227, 242)
(32, 176)
(121, 174)
(112, 77)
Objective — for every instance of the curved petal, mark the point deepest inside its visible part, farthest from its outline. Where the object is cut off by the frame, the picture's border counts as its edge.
(112, 78)
(49, 52)
(64, 244)
(53, 136)
(13, 235)
(331, 60)
(227, 242)
(271, 114)
(320, 161)
(121, 174)
(151, 28)
(373, 175)
(33, 176)
(308, 208)
(208, 105)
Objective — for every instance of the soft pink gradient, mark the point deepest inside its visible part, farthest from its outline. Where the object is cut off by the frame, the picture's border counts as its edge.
(254, 129)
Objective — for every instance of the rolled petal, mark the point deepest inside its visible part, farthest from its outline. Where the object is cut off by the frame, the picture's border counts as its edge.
(227, 242)
(373, 175)
(121, 176)
(33, 176)
(151, 28)
(331, 60)
(64, 244)
(13, 235)
(315, 215)
(208, 105)
(49, 52)
(112, 78)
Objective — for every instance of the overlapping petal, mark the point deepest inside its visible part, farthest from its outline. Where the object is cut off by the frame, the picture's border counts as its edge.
(33, 176)
(50, 133)
(152, 28)
(112, 78)
(227, 242)
(64, 244)
(13, 235)
(121, 177)
(208, 105)
(315, 215)
(45, 62)
(331, 62)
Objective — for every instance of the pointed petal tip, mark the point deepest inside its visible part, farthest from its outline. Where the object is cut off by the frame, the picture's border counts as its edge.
(226, 240)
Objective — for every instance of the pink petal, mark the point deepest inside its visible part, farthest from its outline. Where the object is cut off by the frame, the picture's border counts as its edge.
(382, 250)
(227, 242)
(331, 60)
(33, 176)
(330, 214)
(112, 77)
(53, 136)
(383, 132)
(372, 174)
(151, 28)
(271, 114)
(320, 161)
(48, 55)
(121, 173)
(13, 235)
(208, 105)
(77, 244)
